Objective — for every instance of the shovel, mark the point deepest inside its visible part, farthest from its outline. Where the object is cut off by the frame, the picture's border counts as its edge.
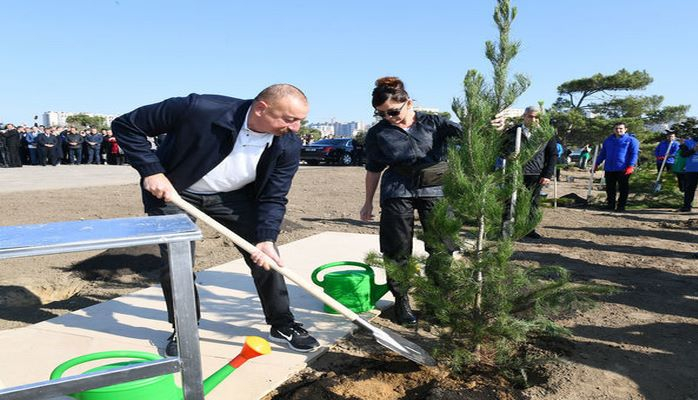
(658, 183)
(389, 340)
(591, 174)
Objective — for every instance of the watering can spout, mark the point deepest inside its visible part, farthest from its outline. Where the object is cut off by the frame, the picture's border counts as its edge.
(254, 346)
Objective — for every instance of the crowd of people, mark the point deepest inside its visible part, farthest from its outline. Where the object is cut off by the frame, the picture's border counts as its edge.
(54, 145)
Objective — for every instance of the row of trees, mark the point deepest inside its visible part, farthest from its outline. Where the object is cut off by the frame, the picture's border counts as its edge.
(587, 108)
(82, 121)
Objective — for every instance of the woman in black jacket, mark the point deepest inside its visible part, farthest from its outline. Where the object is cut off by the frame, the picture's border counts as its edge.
(403, 144)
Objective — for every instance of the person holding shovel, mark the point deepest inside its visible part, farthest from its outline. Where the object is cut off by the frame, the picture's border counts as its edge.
(666, 149)
(689, 151)
(619, 152)
(539, 170)
(410, 147)
(234, 160)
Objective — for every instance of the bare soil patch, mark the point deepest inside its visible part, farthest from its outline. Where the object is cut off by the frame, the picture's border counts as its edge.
(637, 344)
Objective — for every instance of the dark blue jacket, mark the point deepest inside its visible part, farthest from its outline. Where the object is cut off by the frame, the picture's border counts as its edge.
(201, 132)
(95, 138)
(691, 153)
(661, 150)
(390, 146)
(619, 152)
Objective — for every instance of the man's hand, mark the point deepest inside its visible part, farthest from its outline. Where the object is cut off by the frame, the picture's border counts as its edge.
(159, 186)
(266, 250)
(544, 181)
(499, 122)
(629, 170)
(366, 212)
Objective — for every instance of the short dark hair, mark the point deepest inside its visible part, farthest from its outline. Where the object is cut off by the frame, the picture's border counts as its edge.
(619, 124)
(389, 88)
(532, 109)
(278, 91)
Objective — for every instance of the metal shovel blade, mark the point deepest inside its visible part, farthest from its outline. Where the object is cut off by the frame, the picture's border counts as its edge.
(398, 344)
(657, 187)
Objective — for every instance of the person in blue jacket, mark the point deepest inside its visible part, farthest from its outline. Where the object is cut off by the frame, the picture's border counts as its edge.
(670, 144)
(689, 150)
(234, 160)
(619, 152)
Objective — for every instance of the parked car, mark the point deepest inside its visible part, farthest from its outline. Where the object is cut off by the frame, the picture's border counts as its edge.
(574, 156)
(340, 151)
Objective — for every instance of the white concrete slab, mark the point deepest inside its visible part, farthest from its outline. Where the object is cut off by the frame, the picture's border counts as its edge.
(230, 312)
(36, 177)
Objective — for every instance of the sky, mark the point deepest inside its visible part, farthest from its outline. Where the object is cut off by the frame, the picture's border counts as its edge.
(111, 56)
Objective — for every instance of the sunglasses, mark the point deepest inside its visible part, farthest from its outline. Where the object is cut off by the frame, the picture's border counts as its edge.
(393, 112)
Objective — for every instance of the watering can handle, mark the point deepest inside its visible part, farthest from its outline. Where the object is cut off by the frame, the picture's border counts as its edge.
(315, 273)
(142, 355)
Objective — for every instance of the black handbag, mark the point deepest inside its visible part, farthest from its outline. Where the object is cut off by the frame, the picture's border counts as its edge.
(430, 175)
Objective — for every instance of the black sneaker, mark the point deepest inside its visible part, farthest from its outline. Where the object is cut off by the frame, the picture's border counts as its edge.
(297, 338)
(171, 349)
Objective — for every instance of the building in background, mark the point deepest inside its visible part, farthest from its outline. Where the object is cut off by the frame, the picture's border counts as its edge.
(338, 129)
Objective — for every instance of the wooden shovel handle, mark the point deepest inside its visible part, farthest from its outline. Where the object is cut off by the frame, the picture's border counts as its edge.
(250, 248)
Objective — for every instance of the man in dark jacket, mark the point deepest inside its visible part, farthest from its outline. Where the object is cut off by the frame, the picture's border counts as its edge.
(539, 170)
(75, 141)
(46, 143)
(94, 142)
(13, 145)
(235, 160)
(3, 149)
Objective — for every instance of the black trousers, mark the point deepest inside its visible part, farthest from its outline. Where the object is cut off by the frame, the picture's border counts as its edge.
(236, 211)
(622, 181)
(680, 177)
(397, 230)
(690, 182)
(47, 153)
(532, 183)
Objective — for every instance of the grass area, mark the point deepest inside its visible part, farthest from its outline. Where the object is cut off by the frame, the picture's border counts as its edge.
(642, 194)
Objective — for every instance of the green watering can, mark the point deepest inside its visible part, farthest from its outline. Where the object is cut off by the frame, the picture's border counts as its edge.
(158, 387)
(355, 289)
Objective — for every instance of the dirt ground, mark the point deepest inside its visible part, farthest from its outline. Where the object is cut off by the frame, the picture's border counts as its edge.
(637, 344)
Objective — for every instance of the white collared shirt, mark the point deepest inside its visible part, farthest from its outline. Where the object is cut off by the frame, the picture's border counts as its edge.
(239, 168)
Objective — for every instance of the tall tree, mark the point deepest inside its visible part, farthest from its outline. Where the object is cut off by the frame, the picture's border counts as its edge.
(686, 128)
(87, 121)
(305, 131)
(587, 108)
(576, 92)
